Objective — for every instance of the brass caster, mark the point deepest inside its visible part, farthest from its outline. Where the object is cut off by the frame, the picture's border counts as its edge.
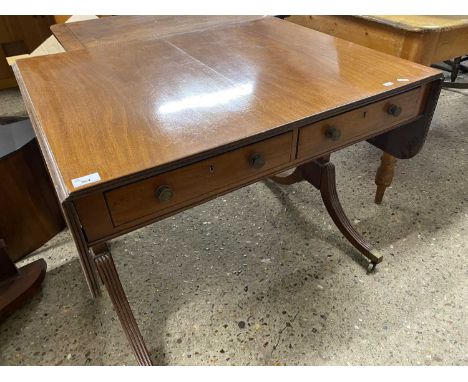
(371, 267)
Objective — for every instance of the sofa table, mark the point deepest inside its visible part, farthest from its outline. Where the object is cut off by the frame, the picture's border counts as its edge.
(139, 130)
(422, 39)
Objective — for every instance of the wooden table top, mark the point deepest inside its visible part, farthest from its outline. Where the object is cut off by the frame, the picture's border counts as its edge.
(116, 29)
(422, 23)
(153, 104)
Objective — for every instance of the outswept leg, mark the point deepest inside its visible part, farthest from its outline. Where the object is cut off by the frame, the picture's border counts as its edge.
(109, 276)
(321, 174)
(384, 175)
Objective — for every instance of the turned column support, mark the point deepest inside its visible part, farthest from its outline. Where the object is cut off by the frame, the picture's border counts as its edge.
(384, 175)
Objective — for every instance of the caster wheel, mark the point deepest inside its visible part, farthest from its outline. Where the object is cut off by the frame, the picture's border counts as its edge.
(371, 267)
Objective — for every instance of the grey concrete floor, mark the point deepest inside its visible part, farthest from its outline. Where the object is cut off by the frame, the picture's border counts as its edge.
(262, 277)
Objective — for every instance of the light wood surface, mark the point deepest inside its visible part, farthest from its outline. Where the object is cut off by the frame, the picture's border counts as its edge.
(208, 89)
(418, 23)
(422, 39)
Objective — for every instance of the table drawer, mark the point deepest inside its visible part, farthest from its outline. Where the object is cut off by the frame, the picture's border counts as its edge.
(166, 192)
(333, 133)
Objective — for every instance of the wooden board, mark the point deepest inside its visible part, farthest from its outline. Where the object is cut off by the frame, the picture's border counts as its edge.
(422, 39)
(413, 23)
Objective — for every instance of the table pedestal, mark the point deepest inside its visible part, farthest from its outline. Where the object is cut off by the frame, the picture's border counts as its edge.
(321, 174)
(18, 285)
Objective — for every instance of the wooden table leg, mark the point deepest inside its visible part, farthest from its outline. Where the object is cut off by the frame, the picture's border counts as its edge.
(321, 174)
(384, 175)
(106, 268)
(87, 263)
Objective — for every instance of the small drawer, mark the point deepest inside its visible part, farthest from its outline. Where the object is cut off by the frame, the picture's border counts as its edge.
(333, 133)
(163, 193)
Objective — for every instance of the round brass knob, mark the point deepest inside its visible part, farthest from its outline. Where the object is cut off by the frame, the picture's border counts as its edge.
(164, 193)
(332, 133)
(257, 160)
(394, 110)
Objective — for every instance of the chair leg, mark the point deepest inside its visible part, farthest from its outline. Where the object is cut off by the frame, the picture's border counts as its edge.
(384, 175)
(106, 268)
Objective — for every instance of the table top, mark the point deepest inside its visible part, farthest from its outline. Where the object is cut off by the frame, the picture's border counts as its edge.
(116, 29)
(422, 23)
(152, 104)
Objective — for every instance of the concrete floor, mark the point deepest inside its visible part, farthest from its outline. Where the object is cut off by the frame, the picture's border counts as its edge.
(262, 277)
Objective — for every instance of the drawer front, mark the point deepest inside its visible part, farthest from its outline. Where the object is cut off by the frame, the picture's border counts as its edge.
(172, 190)
(333, 133)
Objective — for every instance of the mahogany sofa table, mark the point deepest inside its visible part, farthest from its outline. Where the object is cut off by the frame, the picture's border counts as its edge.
(137, 131)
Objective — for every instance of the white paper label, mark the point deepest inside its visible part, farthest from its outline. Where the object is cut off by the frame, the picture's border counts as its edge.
(388, 83)
(91, 178)
(402, 80)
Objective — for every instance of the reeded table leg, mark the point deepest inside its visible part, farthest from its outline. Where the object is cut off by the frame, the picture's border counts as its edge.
(87, 264)
(106, 268)
(384, 175)
(321, 174)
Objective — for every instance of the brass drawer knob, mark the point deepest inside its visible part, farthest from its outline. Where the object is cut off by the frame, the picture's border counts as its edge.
(332, 133)
(394, 110)
(257, 160)
(164, 193)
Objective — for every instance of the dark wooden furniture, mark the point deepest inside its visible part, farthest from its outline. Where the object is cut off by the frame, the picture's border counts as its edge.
(30, 212)
(422, 39)
(140, 130)
(18, 285)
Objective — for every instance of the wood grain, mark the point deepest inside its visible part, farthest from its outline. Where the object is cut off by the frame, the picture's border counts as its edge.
(422, 39)
(97, 111)
(417, 23)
